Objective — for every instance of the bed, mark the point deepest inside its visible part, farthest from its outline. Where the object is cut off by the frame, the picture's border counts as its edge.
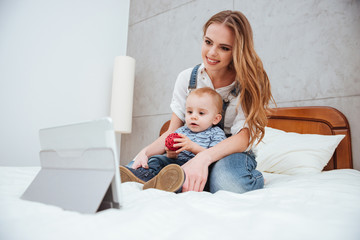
(299, 201)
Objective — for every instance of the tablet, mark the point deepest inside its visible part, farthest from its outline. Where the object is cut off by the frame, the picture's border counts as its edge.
(79, 167)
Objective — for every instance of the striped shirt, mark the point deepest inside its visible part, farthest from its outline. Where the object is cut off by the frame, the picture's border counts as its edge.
(207, 138)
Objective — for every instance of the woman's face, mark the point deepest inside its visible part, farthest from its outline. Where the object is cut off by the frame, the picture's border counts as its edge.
(216, 50)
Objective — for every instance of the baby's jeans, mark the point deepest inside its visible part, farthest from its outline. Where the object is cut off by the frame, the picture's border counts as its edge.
(158, 162)
(234, 173)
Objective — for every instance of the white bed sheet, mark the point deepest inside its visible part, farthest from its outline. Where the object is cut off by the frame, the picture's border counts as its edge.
(320, 206)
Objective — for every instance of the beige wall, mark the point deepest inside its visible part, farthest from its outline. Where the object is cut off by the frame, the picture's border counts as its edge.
(310, 50)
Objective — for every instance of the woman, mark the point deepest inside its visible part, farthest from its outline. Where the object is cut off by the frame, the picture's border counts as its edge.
(232, 67)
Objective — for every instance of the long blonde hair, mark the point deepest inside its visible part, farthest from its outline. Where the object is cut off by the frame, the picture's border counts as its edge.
(255, 90)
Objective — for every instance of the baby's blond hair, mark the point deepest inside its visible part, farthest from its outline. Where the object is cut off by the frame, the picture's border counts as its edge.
(212, 93)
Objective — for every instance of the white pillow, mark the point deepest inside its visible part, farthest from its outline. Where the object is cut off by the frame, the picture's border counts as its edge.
(294, 153)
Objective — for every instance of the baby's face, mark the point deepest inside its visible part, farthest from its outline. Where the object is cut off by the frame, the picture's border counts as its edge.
(201, 112)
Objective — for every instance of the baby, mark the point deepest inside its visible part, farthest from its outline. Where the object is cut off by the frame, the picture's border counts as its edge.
(203, 112)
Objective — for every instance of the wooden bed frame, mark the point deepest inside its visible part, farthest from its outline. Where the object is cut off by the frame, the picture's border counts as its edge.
(312, 120)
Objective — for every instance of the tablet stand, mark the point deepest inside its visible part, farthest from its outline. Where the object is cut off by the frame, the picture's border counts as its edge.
(77, 180)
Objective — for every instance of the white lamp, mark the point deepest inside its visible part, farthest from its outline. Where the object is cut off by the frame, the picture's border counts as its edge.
(122, 95)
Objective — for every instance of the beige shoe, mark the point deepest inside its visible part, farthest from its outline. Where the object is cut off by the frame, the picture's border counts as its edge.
(127, 176)
(170, 178)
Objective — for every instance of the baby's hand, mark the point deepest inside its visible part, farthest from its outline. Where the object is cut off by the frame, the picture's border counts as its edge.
(141, 160)
(171, 154)
(170, 141)
(184, 143)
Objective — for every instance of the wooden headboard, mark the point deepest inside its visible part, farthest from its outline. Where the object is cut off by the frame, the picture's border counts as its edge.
(316, 120)
(312, 120)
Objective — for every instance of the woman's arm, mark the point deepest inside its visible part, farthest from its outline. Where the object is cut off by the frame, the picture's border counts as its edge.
(158, 146)
(196, 169)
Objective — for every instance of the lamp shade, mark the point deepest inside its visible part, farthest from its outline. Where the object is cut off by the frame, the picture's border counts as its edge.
(122, 93)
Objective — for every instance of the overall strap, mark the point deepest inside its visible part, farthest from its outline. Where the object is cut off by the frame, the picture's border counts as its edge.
(221, 124)
(235, 92)
(193, 78)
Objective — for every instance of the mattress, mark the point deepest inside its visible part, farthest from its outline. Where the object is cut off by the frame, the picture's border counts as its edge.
(314, 206)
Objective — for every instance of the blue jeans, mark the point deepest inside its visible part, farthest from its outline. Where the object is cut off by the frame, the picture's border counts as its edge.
(158, 162)
(235, 173)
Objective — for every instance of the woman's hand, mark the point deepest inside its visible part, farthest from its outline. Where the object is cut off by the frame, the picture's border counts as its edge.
(196, 172)
(141, 160)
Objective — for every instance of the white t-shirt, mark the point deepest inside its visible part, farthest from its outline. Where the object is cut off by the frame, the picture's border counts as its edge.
(234, 117)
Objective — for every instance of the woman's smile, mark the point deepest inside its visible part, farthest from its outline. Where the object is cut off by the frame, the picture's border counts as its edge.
(211, 61)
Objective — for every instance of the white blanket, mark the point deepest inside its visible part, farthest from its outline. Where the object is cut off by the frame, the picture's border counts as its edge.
(320, 206)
